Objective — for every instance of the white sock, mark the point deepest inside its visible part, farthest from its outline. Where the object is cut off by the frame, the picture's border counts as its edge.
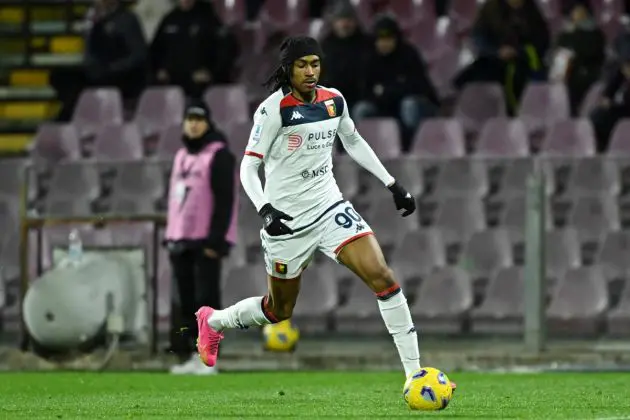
(246, 313)
(397, 317)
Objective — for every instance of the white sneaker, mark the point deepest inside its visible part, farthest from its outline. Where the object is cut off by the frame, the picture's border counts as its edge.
(187, 368)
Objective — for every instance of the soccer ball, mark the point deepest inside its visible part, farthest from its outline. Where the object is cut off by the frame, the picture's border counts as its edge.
(281, 337)
(427, 389)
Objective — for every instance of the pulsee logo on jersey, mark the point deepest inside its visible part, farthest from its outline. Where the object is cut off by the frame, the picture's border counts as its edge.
(294, 143)
(315, 139)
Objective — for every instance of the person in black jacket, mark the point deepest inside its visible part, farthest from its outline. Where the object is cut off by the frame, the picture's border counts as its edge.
(192, 49)
(586, 43)
(115, 55)
(344, 47)
(615, 102)
(511, 39)
(396, 82)
(196, 264)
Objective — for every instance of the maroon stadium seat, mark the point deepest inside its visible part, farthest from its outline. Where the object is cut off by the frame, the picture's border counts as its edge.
(579, 303)
(613, 255)
(238, 136)
(620, 139)
(478, 103)
(502, 137)
(443, 301)
(569, 138)
(593, 176)
(459, 217)
(360, 314)
(502, 310)
(96, 108)
(458, 177)
(228, 103)
(439, 138)
(54, 143)
(159, 108)
(594, 217)
(170, 142)
(118, 142)
(317, 300)
(463, 13)
(418, 254)
(383, 135)
(485, 253)
(543, 104)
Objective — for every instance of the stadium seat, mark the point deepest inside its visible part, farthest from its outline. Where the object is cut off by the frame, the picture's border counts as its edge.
(12, 174)
(502, 310)
(282, 13)
(592, 99)
(619, 145)
(463, 14)
(360, 314)
(405, 169)
(238, 136)
(418, 254)
(118, 142)
(484, 254)
(383, 135)
(443, 301)
(96, 108)
(170, 142)
(138, 182)
(619, 317)
(594, 217)
(54, 143)
(502, 138)
(579, 303)
(75, 180)
(228, 104)
(613, 255)
(459, 177)
(514, 179)
(249, 228)
(562, 253)
(444, 65)
(513, 217)
(591, 176)
(569, 138)
(159, 108)
(231, 12)
(317, 300)
(478, 103)
(543, 104)
(458, 218)
(439, 138)
(388, 226)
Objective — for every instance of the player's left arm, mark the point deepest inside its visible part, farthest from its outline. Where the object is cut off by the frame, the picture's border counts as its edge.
(361, 152)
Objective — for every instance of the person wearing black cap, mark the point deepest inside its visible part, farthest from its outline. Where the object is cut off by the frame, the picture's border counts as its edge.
(302, 208)
(396, 82)
(615, 102)
(201, 224)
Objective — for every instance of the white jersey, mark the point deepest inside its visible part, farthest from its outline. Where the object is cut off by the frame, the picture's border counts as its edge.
(295, 140)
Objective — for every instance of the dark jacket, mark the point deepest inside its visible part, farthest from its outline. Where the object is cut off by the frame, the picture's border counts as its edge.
(401, 73)
(344, 56)
(525, 30)
(222, 183)
(187, 41)
(617, 88)
(116, 47)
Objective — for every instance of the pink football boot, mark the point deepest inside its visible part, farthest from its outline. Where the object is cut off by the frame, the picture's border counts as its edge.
(208, 339)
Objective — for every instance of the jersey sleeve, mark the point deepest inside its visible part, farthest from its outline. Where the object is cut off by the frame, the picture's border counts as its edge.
(267, 124)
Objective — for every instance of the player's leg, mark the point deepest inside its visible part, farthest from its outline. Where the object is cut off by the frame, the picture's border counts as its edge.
(364, 257)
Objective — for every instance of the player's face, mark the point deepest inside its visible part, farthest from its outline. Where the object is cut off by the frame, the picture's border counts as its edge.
(305, 75)
(195, 127)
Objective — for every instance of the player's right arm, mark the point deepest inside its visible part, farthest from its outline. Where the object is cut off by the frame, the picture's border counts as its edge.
(267, 125)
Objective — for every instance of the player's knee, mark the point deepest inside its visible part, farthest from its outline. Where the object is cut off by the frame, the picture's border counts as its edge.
(380, 277)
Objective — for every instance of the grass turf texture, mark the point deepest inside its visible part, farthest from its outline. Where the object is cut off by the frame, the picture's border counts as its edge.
(306, 395)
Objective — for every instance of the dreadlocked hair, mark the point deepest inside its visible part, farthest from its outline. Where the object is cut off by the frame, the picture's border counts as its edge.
(291, 49)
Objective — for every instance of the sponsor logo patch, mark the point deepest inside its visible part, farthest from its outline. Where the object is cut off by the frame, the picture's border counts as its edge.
(294, 142)
(257, 133)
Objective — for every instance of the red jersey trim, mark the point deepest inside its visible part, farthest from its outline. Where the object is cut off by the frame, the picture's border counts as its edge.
(321, 96)
(250, 153)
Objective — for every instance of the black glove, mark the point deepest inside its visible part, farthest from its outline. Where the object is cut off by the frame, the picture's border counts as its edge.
(272, 221)
(403, 199)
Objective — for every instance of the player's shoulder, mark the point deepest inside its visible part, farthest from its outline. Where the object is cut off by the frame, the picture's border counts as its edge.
(328, 92)
(270, 106)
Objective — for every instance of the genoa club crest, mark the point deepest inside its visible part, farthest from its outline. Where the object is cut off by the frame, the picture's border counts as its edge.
(330, 107)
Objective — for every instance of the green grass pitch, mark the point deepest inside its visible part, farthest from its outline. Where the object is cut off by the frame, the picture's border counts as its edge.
(307, 395)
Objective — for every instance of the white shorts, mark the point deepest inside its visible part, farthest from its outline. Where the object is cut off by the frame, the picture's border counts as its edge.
(287, 255)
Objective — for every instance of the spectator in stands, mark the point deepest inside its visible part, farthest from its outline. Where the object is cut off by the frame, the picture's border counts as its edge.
(511, 38)
(201, 224)
(192, 49)
(395, 81)
(115, 56)
(344, 47)
(615, 102)
(580, 52)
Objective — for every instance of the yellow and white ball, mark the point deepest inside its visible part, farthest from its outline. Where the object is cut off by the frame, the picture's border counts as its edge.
(280, 337)
(428, 389)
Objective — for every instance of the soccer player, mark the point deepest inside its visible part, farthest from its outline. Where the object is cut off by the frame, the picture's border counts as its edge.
(302, 208)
